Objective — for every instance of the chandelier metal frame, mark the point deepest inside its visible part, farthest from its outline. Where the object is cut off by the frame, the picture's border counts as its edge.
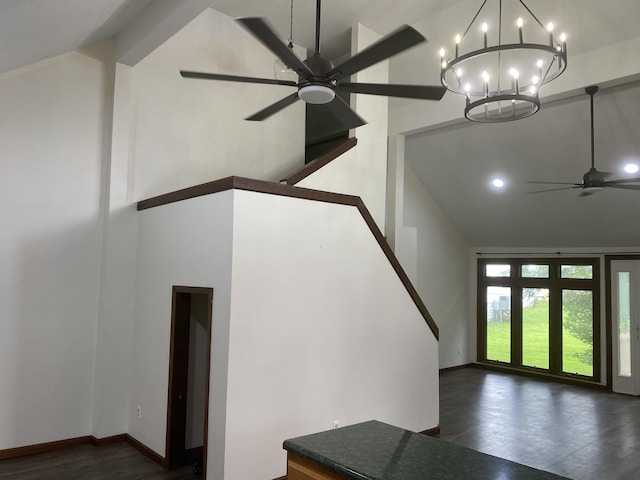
(504, 97)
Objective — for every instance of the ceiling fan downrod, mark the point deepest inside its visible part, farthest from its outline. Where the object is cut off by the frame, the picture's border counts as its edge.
(318, 8)
(591, 91)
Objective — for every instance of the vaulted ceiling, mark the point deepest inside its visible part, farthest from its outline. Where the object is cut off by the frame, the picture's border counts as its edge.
(454, 159)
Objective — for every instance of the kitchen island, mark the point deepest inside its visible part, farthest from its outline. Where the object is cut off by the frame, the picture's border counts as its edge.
(377, 451)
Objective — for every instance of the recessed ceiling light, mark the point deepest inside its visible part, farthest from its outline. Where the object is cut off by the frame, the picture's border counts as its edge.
(497, 182)
(631, 168)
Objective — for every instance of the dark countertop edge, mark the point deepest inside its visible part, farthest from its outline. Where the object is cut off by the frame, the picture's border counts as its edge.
(323, 461)
(332, 465)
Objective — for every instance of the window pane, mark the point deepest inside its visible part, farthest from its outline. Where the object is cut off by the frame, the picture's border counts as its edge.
(577, 332)
(535, 271)
(624, 325)
(576, 271)
(494, 270)
(535, 327)
(498, 324)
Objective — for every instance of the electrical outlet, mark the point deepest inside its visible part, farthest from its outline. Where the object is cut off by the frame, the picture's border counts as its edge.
(336, 423)
(139, 411)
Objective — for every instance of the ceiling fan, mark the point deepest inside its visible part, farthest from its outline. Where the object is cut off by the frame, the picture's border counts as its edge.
(594, 180)
(319, 79)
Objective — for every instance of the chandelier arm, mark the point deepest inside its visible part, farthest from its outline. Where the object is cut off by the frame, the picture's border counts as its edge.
(532, 14)
(548, 70)
(474, 18)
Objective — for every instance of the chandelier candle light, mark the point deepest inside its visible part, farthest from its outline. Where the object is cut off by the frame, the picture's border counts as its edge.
(501, 81)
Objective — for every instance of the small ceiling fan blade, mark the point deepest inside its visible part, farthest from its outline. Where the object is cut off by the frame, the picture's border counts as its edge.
(261, 29)
(554, 189)
(559, 183)
(626, 187)
(423, 92)
(343, 116)
(273, 108)
(235, 78)
(611, 183)
(397, 41)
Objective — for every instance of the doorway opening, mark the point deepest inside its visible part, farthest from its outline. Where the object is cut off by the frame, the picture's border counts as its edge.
(189, 361)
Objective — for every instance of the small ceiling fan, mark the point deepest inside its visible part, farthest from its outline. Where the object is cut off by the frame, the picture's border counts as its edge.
(319, 79)
(594, 180)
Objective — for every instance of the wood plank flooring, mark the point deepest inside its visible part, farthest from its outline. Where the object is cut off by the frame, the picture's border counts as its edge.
(119, 461)
(576, 432)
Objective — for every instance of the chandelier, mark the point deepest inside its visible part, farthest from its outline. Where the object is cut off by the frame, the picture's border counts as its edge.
(500, 70)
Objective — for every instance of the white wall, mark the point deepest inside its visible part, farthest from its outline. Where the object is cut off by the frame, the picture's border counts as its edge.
(52, 134)
(442, 270)
(117, 276)
(432, 252)
(362, 170)
(189, 244)
(321, 330)
(191, 131)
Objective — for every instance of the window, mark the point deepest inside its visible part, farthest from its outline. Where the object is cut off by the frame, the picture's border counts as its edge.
(540, 315)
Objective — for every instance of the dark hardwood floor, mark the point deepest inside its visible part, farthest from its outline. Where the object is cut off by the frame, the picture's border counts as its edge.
(576, 432)
(117, 461)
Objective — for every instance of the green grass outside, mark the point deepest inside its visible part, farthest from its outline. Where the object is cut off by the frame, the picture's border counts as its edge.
(535, 351)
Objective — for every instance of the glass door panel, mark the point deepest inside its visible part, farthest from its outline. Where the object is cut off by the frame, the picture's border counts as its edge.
(623, 322)
(625, 325)
(577, 332)
(535, 327)
(498, 324)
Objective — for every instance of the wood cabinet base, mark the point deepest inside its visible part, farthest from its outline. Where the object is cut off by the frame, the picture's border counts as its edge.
(300, 469)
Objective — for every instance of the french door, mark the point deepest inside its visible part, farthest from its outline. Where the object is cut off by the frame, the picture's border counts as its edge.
(625, 326)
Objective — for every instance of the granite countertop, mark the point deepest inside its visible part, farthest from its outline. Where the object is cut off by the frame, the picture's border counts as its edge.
(377, 451)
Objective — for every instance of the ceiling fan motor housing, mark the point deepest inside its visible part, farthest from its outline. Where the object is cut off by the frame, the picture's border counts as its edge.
(593, 180)
(319, 90)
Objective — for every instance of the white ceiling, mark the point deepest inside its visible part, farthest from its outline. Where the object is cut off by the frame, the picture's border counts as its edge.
(457, 165)
(454, 162)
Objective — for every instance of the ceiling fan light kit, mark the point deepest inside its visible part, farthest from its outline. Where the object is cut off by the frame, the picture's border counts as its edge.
(500, 71)
(319, 79)
(316, 94)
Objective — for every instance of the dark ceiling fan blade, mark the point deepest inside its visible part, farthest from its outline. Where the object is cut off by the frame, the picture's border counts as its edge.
(343, 116)
(423, 92)
(397, 41)
(270, 39)
(559, 183)
(611, 183)
(273, 108)
(626, 187)
(555, 189)
(235, 78)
